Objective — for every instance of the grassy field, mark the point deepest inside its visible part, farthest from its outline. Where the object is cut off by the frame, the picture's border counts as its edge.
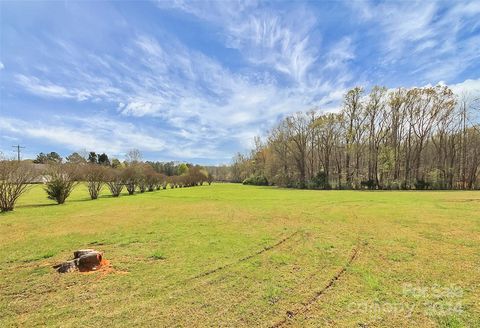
(233, 255)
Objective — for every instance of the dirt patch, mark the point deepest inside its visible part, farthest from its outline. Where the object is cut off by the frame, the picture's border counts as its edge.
(105, 268)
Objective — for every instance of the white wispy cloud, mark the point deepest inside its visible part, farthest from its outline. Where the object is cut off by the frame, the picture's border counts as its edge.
(279, 40)
(428, 31)
(195, 95)
(87, 89)
(101, 134)
(170, 97)
(267, 39)
(34, 85)
(402, 22)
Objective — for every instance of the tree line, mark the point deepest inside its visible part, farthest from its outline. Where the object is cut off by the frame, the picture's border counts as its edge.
(60, 179)
(418, 138)
(83, 157)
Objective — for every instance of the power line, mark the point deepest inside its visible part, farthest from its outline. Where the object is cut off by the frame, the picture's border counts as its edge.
(18, 151)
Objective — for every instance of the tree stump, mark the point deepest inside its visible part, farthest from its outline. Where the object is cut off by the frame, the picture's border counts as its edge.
(81, 252)
(83, 260)
(69, 266)
(90, 261)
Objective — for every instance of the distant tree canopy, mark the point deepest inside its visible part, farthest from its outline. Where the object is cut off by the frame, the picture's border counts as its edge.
(170, 168)
(75, 158)
(182, 169)
(116, 163)
(133, 158)
(103, 159)
(419, 138)
(92, 157)
(52, 157)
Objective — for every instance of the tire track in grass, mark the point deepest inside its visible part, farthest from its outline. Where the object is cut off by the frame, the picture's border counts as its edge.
(305, 306)
(243, 259)
(181, 286)
(200, 283)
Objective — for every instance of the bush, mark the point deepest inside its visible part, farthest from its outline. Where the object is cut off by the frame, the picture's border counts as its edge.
(404, 185)
(130, 178)
(281, 180)
(172, 181)
(394, 185)
(422, 185)
(257, 180)
(180, 181)
(14, 180)
(196, 175)
(114, 181)
(94, 175)
(437, 180)
(320, 181)
(142, 182)
(160, 181)
(210, 178)
(369, 184)
(151, 178)
(61, 180)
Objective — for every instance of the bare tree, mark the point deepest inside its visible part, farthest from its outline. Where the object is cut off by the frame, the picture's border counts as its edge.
(405, 138)
(151, 178)
(396, 120)
(352, 107)
(210, 178)
(94, 175)
(141, 173)
(298, 134)
(277, 141)
(377, 130)
(114, 181)
(327, 133)
(15, 177)
(133, 156)
(241, 168)
(130, 178)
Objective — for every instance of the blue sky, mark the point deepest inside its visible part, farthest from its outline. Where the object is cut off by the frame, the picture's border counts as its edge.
(196, 81)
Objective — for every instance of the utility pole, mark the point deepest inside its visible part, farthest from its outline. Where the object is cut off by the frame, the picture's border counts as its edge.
(18, 151)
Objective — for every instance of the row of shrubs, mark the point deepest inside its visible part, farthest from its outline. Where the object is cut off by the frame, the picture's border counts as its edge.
(320, 182)
(257, 180)
(61, 179)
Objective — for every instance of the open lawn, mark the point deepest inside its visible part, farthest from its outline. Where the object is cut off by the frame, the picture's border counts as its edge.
(233, 255)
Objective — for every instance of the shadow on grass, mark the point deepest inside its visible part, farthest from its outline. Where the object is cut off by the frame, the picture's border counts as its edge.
(74, 201)
(53, 204)
(34, 205)
(120, 196)
(78, 200)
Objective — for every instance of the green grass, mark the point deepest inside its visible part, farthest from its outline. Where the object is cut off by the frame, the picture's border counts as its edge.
(163, 244)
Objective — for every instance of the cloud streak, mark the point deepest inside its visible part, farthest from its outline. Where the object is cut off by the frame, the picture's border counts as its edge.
(221, 72)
